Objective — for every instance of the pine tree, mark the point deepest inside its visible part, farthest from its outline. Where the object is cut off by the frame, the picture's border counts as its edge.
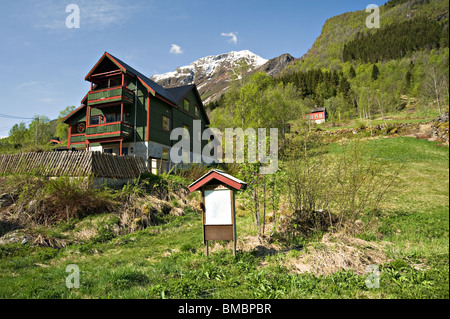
(408, 79)
(352, 72)
(375, 72)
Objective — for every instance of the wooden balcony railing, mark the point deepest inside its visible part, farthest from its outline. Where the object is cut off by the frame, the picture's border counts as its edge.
(116, 129)
(77, 138)
(115, 94)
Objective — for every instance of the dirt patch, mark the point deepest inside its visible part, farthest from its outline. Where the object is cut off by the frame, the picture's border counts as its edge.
(335, 252)
(260, 245)
(338, 252)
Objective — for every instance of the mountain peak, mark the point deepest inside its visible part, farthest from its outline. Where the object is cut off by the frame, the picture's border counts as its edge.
(211, 74)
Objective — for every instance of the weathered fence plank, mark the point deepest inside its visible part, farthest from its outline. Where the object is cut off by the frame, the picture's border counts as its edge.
(73, 164)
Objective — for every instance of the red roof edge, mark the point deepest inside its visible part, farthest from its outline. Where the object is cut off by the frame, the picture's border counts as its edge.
(106, 54)
(213, 175)
(64, 120)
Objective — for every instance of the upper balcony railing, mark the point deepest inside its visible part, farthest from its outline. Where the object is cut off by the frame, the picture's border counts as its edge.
(114, 94)
(116, 129)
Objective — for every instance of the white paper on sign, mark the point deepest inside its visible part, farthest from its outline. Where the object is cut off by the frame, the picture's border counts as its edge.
(218, 207)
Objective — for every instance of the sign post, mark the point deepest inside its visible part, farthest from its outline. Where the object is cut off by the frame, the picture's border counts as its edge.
(219, 213)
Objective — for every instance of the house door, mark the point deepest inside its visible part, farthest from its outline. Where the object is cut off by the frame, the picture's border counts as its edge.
(158, 165)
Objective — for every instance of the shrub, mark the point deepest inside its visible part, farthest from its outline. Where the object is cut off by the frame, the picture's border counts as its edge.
(362, 126)
(46, 201)
(334, 190)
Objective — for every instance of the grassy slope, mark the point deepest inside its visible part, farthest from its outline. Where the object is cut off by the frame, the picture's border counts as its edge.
(167, 261)
(404, 116)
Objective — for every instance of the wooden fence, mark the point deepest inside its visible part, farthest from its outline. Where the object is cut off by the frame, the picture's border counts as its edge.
(73, 163)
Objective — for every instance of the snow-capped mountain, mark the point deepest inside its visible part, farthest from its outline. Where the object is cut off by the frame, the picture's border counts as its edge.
(211, 74)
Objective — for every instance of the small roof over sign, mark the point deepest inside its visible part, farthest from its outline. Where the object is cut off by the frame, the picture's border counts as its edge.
(218, 176)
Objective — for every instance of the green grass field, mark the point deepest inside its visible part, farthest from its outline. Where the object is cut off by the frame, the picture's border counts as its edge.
(167, 261)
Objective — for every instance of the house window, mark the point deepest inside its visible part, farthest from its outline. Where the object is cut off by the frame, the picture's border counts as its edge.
(94, 120)
(320, 115)
(114, 82)
(165, 124)
(186, 131)
(160, 165)
(165, 154)
(186, 105)
(111, 118)
(197, 111)
(315, 116)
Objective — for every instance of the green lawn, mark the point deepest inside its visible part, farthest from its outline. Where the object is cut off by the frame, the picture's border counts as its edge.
(167, 261)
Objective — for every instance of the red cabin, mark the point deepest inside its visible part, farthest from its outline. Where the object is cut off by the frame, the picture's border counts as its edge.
(318, 114)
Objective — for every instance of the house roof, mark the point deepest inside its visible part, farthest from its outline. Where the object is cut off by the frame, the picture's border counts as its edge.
(318, 109)
(178, 93)
(220, 176)
(172, 95)
(156, 88)
(64, 120)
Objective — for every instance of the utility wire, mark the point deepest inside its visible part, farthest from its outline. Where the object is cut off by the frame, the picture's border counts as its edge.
(16, 117)
(7, 128)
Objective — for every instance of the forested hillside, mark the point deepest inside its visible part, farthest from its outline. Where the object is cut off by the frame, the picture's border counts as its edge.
(337, 31)
(354, 71)
(397, 41)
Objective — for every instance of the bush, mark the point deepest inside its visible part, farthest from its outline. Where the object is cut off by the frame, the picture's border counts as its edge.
(334, 190)
(362, 126)
(45, 201)
(162, 186)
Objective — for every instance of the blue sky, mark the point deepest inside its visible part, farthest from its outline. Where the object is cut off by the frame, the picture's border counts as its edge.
(43, 63)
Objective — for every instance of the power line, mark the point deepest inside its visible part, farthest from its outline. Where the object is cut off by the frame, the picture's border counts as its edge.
(16, 117)
(7, 128)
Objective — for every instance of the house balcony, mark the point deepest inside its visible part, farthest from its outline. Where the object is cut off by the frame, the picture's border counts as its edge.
(117, 130)
(77, 138)
(110, 95)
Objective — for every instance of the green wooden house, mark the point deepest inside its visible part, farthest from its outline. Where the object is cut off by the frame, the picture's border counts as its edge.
(126, 113)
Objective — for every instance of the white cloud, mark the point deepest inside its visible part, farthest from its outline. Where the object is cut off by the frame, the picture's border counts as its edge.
(175, 49)
(48, 100)
(233, 37)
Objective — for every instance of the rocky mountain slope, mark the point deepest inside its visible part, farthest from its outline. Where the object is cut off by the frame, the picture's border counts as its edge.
(276, 65)
(213, 74)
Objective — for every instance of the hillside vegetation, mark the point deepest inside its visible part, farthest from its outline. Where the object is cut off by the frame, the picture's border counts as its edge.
(355, 72)
(339, 30)
(137, 251)
(37, 135)
(369, 188)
